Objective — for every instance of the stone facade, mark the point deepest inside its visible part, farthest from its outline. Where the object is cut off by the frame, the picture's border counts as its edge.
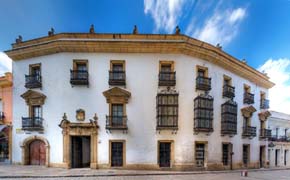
(89, 105)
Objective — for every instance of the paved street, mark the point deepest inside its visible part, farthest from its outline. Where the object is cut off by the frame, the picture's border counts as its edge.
(43, 173)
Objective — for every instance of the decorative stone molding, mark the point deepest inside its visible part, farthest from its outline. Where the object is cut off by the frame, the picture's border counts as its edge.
(25, 149)
(117, 95)
(263, 116)
(79, 129)
(33, 98)
(136, 43)
(248, 111)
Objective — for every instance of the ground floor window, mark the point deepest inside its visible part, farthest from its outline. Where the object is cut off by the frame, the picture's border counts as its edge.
(246, 149)
(199, 154)
(226, 152)
(164, 154)
(117, 154)
(4, 145)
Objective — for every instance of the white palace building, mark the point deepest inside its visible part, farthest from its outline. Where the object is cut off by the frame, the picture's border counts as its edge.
(136, 101)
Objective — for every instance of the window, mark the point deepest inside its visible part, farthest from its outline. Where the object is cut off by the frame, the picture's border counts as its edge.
(167, 110)
(199, 154)
(246, 149)
(203, 82)
(166, 73)
(264, 103)
(117, 153)
(117, 114)
(33, 80)
(248, 97)
(226, 153)
(228, 89)
(79, 74)
(117, 75)
(229, 117)
(203, 113)
(164, 154)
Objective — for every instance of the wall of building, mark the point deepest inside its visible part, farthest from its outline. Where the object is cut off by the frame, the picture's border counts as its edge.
(6, 97)
(142, 81)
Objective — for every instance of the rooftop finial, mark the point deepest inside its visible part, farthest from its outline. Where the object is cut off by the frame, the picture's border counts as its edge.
(244, 61)
(219, 46)
(19, 39)
(135, 30)
(92, 29)
(177, 30)
(64, 117)
(51, 32)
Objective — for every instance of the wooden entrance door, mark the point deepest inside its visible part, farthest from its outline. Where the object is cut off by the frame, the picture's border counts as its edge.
(164, 154)
(80, 151)
(37, 153)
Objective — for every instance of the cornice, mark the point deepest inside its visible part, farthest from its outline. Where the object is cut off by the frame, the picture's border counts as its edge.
(135, 43)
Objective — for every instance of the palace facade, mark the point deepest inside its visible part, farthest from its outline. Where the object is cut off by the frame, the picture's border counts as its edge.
(136, 101)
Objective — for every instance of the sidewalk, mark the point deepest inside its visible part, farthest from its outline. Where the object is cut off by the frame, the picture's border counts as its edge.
(16, 171)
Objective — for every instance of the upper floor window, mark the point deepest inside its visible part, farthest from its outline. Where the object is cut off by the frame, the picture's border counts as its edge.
(167, 75)
(228, 89)
(33, 80)
(248, 96)
(248, 130)
(79, 73)
(203, 82)
(167, 111)
(264, 103)
(203, 113)
(229, 117)
(1, 112)
(117, 73)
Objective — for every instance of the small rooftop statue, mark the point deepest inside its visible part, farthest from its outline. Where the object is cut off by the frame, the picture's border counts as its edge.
(19, 39)
(135, 30)
(177, 30)
(244, 61)
(92, 29)
(219, 46)
(51, 32)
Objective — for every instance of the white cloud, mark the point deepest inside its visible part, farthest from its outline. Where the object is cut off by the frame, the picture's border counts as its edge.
(5, 63)
(221, 27)
(165, 13)
(278, 71)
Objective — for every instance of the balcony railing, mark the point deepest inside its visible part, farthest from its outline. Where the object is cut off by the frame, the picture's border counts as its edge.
(32, 123)
(167, 78)
(167, 122)
(279, 139)
(249, 131)
(116, 122)
(264, 104)
(2, 116)
(117, 78)
(78, 77)
(228, 91)
(265, 133)
(203, 83)
(248, 98)
(33, 81)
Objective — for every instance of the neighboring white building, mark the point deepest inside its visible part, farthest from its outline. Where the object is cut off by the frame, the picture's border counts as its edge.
(279, 146)
(139, 101)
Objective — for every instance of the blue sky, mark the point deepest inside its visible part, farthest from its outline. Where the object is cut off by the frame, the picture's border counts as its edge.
(256, 30)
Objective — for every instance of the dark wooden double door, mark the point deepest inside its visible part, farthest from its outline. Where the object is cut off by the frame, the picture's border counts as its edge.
(80, 151)
(37, 153)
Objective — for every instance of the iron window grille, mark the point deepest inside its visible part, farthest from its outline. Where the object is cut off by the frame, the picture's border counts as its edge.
(203, 113)
(229, 117)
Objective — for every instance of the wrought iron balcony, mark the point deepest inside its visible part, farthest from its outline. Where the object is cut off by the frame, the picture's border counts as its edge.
(249, 131)
(265, 133)
(203, 83)
(116, 122)
(33, 81)
(248, 98)
(2, 116)
(228, 91)
(78, 77)
(279, 138)
(167, 122)
(32, 123)
(117, 78)
(167, 78)
(264, 104)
